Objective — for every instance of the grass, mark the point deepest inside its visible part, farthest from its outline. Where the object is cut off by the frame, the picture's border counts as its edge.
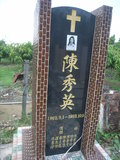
(7, 73)
(6, 133)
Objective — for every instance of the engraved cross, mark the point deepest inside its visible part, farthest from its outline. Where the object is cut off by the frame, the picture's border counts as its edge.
(73, 18)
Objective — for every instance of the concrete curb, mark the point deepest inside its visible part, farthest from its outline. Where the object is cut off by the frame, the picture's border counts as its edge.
(11, 103)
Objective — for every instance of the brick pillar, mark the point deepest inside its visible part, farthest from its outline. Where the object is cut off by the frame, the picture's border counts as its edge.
(98, 64)
(40, 74)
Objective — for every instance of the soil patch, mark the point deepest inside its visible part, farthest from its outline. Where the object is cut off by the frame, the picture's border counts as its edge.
(12, 95)
(11, 111)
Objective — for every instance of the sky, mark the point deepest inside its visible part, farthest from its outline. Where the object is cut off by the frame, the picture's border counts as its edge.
(17, 17)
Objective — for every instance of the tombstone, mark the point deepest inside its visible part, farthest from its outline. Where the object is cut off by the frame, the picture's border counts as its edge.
(70, 48)
(109, 119)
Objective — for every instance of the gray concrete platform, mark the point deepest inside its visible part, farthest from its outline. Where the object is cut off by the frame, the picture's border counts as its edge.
(5, 151)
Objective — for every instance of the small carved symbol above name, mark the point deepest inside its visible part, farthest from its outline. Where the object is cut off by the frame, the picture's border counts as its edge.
(73, 18)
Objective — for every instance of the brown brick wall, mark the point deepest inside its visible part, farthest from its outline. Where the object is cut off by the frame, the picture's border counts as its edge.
(34, 62)
(40, 74)
(98, 64)
(34, 67)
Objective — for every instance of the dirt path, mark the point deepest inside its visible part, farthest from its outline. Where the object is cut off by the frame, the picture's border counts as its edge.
(10, 111)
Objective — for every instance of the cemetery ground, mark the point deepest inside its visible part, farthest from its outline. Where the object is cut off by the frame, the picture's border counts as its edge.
(10, 111)
(11, 103)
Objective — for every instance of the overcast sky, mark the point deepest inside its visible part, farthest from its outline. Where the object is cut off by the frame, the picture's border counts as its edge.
(16, 16)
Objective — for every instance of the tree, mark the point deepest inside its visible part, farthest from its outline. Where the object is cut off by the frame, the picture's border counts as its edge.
(11, 52)
(112, 40)
(113, 57)
(16, 52)
(26, 51)
(4, 52)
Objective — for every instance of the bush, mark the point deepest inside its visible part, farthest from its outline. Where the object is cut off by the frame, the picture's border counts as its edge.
(15, 52)
(5, 61)
(112, 140)
(18, 59)
(113, 57)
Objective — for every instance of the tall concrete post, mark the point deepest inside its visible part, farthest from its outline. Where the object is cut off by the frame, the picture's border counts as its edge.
(25, 89)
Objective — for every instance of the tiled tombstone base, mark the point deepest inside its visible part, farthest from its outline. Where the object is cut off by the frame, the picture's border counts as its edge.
(23, 148)
(100, 152)
(70, 156)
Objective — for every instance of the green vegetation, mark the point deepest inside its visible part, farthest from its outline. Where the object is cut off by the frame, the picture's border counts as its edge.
(111, 139)
(113, 57)
(112, 74)
(112, 79)
(7, 73)
(8, 129)
(15, 53)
